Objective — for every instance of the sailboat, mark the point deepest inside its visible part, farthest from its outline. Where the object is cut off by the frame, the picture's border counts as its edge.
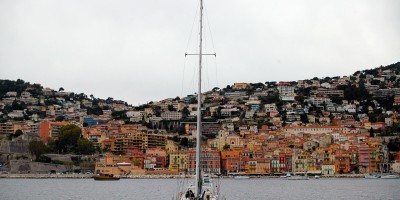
(296, 177)
(204, 188)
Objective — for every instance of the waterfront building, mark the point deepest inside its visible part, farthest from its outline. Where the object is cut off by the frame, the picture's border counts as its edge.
(230, 161)
(367, 159)
(328, 169)
(120, 165)
(178, 161)
(209, 161)
(342, 164)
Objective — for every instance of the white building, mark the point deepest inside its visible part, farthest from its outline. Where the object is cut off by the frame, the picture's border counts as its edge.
(270, 107)
(16, 114)
(171, 115)
(286, 91)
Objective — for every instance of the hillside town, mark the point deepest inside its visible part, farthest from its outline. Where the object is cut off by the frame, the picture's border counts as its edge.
(326, 126)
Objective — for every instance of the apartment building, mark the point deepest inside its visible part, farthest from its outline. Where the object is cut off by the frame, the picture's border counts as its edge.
(143, 141)
(171, 115)
(209, 161)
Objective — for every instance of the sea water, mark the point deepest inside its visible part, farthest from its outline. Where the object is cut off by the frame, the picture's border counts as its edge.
(254, 188)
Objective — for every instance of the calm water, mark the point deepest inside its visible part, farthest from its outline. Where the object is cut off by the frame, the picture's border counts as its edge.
(43, 189)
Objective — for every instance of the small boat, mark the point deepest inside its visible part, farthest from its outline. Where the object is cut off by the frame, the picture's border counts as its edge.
(241, 177)
(287, 175)
(105, 177)
(297, 177)
(390, 176)
(316, 177)
(371, 176)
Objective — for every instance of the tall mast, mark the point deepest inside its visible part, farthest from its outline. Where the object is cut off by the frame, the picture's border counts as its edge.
(294, 160)
(198, 148)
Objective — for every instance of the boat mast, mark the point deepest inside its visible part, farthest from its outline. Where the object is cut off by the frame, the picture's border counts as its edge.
(294, 161)
(198, 148)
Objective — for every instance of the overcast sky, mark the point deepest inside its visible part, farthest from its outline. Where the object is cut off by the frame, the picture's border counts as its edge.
(133, 50)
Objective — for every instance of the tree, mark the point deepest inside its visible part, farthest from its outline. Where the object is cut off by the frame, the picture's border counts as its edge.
(176, 138)
(394, 145)
(157, 110)
(215, 89)
(18, 105)
(171, 108)
(119, 115)
(184, 142)
(185, 112)
(193, 100)
(37, 148)
(300, 99)
(304, 118)
(60, 118)
(95, 110)
(16, 134)
(61, 89)
(336, 99)
(69, 136)
(226, 146)
(85, 146)
(371, 132)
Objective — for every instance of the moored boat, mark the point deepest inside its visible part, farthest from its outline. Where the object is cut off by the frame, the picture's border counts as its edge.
(105, 177)
(241, 177)
(287, 175)
(371, 176)
(390, 176)
(297, 177)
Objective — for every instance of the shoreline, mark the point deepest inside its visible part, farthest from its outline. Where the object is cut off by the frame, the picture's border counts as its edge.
(144, 176)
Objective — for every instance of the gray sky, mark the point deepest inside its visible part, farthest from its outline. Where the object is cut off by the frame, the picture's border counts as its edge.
(133, 50)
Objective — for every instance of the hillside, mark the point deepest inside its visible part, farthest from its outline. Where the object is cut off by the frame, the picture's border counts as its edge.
(334, 116)
(362, 86)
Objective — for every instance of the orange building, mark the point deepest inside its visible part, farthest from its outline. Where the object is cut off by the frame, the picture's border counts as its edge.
(119, 165)
(230, 161)
(342, 164)
(49, 130)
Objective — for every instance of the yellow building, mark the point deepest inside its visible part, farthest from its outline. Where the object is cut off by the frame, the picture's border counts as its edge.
(139, 140)
(171, 146)
(178, 161)
(300, 163)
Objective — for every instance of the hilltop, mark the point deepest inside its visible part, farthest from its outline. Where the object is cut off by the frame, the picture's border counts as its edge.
(20, 100)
